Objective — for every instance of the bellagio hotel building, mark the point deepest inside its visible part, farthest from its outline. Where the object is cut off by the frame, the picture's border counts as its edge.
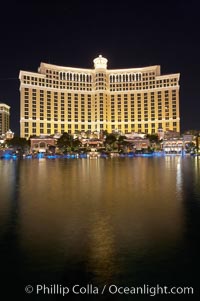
(59, 99)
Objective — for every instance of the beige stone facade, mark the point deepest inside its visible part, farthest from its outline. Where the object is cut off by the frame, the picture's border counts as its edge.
(4, 118)
(42, 144)
(64, 99)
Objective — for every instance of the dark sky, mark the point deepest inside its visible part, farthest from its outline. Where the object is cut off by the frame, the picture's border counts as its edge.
(128, 33)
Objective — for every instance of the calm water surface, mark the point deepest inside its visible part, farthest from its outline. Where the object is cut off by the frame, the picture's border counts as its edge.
(123, 221)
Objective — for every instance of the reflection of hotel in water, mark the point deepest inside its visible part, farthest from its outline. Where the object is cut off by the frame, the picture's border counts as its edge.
(64, 99)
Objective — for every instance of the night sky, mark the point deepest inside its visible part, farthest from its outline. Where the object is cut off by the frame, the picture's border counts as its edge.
(128, 33)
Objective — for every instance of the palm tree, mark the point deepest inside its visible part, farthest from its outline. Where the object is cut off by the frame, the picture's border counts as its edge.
(18, 144)
(122, 143)
(65, 142)
(110, 140)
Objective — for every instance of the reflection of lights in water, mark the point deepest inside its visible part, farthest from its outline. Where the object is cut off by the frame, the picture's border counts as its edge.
(8, 187)
(197, 165)
(40, 155)
(196, 176)
(179, 178)
(96, 218)
(173, 164)
(102, 250)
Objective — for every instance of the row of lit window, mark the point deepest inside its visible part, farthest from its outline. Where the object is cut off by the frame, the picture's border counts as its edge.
(83, 118)
(83, 96)
(113, 111)
(137, 87)
(138, 102)
(83, 87)
(62, 86)
(56, 125)
(138, 127)
(167, 82)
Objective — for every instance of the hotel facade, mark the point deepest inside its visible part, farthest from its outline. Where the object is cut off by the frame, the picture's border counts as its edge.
(60, 99)
(4, 118)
